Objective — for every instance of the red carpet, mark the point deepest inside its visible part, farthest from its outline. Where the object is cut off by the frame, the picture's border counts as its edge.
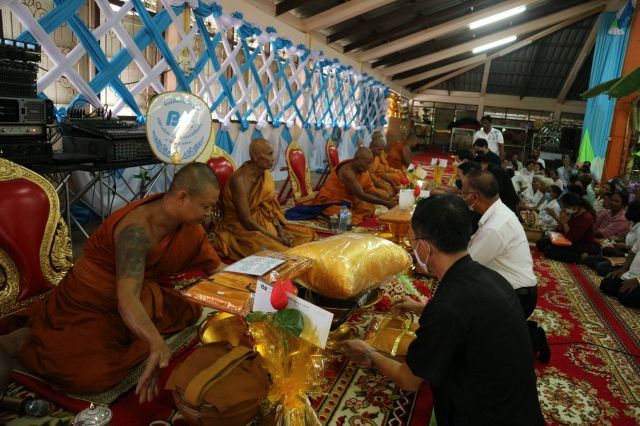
(582, 385)
(585, 384)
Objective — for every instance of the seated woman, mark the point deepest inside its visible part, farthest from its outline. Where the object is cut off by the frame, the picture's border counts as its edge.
(533, 197)
(576, 222)
(624, 283)
(630, 247)
(550, 207)
(611, 223)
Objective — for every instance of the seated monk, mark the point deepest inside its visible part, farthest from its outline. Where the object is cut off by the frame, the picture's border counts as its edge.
(350, 182)
(109, 313)
(380, 168)
(400, 154)
(252, 219)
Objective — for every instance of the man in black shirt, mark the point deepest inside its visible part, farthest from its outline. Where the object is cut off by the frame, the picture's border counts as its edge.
(481, 147)
(472, 346)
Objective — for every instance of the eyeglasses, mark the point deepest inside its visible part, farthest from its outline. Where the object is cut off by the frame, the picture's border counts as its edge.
(463, 194)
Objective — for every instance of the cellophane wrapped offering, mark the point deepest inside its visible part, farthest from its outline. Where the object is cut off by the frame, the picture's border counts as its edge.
(295, 367)
(392, 335)
(346, 265)
(233, 293)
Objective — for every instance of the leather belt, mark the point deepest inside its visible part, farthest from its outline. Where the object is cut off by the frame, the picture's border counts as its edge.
(526, 290)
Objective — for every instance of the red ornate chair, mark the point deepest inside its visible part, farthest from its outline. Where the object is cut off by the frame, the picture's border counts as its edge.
(333, 159)
(35, 249)
(332, 154)
(222, 166)
(298, 173)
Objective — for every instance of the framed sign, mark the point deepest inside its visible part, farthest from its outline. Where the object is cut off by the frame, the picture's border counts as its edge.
(178, 126)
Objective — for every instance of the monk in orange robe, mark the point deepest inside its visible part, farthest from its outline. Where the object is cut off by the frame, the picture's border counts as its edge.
(351, 182)
(399, 156)
(380, 168)
(109, 313)
(253, 219)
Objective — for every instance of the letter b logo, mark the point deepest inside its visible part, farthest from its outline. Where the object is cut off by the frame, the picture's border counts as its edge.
(172, 118)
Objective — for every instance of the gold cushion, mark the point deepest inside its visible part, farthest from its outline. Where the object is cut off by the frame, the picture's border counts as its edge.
(348, 264)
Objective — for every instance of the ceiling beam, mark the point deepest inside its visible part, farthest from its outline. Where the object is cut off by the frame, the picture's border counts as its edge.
(485, 78)
(438, 31)
(582, 56)
(270, 8)
(516, 46)
(441, 70)
(341, 13)
(444, 11)
(532, 67)
(579, 12)
(369, 24)
(287, 5)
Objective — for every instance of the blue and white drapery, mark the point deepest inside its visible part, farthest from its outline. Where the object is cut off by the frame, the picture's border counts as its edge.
(263, 78)
(607, 64)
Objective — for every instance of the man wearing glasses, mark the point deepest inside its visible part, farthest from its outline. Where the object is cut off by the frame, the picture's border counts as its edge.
(472, 346)
(500, 243)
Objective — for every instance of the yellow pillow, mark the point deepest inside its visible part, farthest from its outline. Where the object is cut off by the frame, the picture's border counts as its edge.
(346, 265)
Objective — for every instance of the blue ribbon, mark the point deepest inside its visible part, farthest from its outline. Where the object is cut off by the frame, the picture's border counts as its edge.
(223, 140)
(96, 53)
(257, 134)
(286, 135)
(54, 19)
(157, 37)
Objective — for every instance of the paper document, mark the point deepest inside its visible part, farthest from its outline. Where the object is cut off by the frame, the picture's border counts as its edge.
(317, 321)
(254, 265)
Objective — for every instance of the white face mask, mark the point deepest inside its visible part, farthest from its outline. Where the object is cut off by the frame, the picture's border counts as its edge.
(422, 264)
(571, 212)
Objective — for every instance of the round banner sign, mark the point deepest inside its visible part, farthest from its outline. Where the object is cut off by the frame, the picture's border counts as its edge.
(178, 127)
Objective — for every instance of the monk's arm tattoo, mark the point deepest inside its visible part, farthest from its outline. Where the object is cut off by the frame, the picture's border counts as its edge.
(132, 246)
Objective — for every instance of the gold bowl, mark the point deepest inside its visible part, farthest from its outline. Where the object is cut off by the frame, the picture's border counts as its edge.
(222, 327)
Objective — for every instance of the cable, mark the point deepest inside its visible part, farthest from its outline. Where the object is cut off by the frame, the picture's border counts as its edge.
(582, 342)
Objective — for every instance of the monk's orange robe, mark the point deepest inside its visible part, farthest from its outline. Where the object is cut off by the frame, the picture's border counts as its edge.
(79, 341)
(380, 166)
(235, 241)
(395, 156)
(335, 191)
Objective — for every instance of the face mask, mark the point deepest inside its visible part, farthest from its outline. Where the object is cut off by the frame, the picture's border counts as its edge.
(458, 183)
(422, 264)
(469, 205)
(571, 212)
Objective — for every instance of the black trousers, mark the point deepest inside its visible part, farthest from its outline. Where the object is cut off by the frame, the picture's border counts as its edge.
(528, 299)
(600, 264)
(611, 286)
(563, 254)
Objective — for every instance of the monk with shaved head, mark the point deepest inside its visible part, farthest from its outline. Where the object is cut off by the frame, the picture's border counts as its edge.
(252, 219)
(109, 314)
(381, 171)
(350, 182)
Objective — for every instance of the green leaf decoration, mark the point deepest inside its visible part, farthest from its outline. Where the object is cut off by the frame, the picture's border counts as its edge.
(290, 320)
(599, 89)
(626, 85)
(257, 316)
(408, 285)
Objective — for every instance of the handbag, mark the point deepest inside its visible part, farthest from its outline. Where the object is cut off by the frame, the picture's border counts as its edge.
(219, 385)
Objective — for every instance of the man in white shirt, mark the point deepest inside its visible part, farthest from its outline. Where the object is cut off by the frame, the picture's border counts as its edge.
(500, 243)
(492, 136)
